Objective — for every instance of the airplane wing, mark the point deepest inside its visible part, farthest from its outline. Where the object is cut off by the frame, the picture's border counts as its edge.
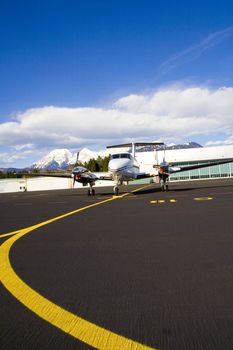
(101, 176)
(105, 176)
(143, 176)
(136, 144)
(138, 176)
(54, 174)
(199, 166)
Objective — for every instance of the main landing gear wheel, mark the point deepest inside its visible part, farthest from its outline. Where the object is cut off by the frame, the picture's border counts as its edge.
(163, 187)
(91, 192)
(116, 191)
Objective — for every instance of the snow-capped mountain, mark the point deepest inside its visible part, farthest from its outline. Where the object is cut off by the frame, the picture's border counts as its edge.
(85, 155)
(56, 159)
(183, 146)
(63, 158)
(169, 147)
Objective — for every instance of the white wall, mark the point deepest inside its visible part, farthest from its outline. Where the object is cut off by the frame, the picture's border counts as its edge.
(42, 183)
(9, 185)
(187, 155)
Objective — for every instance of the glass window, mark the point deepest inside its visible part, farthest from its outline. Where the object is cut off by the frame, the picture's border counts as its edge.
(115, 156)
(125, 155)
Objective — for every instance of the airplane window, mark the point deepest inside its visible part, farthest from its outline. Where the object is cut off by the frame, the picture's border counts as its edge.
(122, 155)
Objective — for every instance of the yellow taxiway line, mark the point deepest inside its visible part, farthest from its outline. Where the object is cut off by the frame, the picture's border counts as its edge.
(81, 329)
(9, 234)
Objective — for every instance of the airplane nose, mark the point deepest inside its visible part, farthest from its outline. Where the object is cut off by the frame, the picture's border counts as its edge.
(118, 164)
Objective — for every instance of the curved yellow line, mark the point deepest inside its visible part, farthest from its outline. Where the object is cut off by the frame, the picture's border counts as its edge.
(85, 331)
(9, 234)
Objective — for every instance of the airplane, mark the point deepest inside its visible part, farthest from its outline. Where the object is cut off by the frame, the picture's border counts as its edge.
(122, 168)
(165, 170)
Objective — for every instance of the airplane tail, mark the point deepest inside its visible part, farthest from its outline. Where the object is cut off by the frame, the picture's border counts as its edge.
(136, 144)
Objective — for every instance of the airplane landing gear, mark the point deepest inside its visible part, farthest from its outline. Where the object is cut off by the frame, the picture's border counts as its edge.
(91, 192)
(116, 190)
(163, 186)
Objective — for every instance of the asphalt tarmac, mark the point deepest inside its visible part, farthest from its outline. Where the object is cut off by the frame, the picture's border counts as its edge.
(155, 268)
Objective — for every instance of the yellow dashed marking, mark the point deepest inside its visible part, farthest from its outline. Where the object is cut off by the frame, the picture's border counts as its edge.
(175, 200)
(85, 331)
(163, 201)
(203, 199)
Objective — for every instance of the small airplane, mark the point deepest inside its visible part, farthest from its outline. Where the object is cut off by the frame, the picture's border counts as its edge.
(165, 170)
(124, 167)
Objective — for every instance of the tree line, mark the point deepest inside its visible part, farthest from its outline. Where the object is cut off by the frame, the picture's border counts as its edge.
(99, 164)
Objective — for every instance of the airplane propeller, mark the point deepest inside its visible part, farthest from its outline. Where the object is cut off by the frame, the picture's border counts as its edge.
(77, 162)
(73, 183)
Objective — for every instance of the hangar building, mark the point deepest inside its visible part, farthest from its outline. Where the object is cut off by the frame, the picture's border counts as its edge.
(193, 156)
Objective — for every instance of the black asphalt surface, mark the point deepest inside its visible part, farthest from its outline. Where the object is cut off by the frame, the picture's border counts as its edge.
(159, 273)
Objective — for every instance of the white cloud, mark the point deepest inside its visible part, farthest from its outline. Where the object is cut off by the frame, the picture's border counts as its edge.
(228, 141)
(28, 146)
(173, 114)
(9, 158)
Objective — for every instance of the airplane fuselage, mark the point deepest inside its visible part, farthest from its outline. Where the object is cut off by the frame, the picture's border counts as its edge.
(123, 167)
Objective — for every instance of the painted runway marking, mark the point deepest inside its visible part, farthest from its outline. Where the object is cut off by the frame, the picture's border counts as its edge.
(139, 189)
(85, 331)
(9, 234)
(203, 198)
(163, 201)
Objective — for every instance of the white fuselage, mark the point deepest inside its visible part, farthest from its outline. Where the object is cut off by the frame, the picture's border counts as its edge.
(123, 167)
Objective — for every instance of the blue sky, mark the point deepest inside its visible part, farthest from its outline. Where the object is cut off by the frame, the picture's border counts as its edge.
(84, 61)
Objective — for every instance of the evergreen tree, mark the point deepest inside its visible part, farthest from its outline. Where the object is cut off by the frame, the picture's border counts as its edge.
(105, 162)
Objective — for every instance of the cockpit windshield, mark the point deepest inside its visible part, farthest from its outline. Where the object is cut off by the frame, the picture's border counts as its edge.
(121, 155)
(79, 170)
